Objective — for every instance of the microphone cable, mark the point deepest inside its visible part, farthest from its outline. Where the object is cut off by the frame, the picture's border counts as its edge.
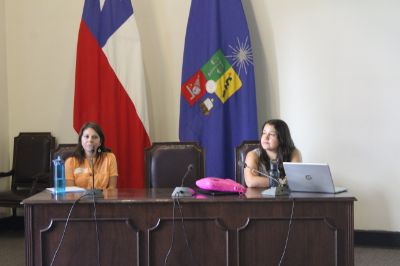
(97, 230)
(92, 193)
(244, 165)
(287, 235)
(173, 232)
(65, 227)
(184, 231)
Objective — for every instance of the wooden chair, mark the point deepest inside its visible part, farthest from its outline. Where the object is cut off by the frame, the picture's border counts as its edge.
(67, 150)
(167, 162)
(240, 156)
(30, 172)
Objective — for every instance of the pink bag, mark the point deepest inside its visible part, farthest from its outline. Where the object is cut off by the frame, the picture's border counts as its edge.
(220, 184)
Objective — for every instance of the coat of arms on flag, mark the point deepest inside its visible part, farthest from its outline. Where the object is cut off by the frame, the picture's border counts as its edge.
(215, 76)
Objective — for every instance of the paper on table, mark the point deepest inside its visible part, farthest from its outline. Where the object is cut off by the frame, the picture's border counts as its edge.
(68, 189)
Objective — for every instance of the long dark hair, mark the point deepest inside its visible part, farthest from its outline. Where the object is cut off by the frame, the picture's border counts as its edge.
(285, 148)
(79, 152)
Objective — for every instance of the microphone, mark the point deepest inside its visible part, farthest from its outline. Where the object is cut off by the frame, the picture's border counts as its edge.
(184, 191)
(189, 170)
(244, 165)
(280, 190)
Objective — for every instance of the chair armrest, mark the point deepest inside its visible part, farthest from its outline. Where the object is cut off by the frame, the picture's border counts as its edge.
(36, 178)
(5, 174)
(42, 176)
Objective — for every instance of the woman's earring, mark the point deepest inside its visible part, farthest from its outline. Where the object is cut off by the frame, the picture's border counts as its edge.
(99, 150)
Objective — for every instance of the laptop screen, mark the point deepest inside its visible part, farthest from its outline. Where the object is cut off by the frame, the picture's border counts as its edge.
(310, 177)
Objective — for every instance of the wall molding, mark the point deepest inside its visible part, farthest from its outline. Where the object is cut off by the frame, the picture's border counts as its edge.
(376, 238)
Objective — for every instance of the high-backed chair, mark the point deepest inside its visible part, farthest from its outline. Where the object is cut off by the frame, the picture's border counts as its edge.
(240, 156)
(167, 162)
(67, 150)
(30, 172)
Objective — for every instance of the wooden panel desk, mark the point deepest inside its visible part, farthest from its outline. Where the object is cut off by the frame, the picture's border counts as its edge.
(139, 226)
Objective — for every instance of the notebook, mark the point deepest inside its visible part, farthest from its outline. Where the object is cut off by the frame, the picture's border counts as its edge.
(310, 177)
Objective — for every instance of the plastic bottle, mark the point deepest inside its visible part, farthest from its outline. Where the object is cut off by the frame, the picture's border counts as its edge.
(59, 176)
(274, 172)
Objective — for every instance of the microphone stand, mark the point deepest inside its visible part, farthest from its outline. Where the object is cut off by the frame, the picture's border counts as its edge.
(98, 193)
(280, 190)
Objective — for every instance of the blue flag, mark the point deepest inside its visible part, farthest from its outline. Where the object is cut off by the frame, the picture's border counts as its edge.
(218, 101)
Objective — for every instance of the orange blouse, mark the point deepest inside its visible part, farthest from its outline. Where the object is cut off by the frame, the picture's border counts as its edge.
(81, 174)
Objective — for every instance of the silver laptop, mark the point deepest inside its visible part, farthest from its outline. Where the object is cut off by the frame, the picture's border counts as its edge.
(310, 177)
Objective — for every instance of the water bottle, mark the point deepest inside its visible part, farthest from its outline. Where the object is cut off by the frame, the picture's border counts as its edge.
(59, 176)
(274, 172)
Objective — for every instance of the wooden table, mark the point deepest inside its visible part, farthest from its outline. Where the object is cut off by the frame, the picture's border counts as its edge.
(139, 226)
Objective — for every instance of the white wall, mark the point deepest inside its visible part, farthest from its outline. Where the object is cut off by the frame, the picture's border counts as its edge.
(337, 70)
(329, 68)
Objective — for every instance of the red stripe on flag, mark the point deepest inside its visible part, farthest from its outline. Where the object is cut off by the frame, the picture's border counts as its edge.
(100, 97)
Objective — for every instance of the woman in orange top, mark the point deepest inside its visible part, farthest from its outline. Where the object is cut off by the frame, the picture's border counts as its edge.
(91, 149)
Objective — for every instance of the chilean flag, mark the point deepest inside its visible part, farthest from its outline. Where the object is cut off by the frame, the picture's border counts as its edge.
(109, 84)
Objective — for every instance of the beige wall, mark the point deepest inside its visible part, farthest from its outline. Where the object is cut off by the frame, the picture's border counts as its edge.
(41, 42)
(4, 163)
(329, 68)
(4, 150)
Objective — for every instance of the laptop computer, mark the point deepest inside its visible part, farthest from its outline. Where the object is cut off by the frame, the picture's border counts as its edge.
(310, 177)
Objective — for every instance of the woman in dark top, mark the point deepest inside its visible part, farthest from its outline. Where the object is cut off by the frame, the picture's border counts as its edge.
(275, 144)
